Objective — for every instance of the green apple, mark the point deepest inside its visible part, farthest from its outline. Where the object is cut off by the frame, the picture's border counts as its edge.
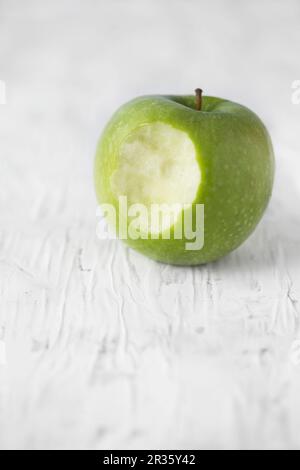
(183, 152)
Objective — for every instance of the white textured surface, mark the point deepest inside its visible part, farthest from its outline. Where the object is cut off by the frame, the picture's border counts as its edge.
(106, 349)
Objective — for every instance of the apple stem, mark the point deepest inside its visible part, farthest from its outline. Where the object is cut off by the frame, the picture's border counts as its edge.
(198, 99)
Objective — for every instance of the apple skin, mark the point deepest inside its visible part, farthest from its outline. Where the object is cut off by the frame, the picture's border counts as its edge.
(234, 152)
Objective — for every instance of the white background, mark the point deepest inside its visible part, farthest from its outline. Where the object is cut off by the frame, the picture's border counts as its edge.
(100, 347)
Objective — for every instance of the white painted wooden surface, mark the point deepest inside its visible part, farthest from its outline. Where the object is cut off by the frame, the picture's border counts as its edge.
(100, 347)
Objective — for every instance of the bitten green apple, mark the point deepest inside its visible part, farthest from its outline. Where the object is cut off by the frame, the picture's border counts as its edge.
(187, 150)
